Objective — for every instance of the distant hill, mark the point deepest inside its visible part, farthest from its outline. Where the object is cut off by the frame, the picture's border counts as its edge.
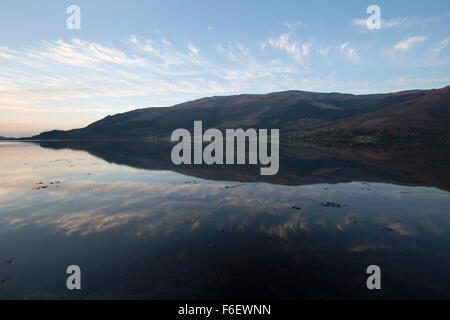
(297, 113)
(426, 115)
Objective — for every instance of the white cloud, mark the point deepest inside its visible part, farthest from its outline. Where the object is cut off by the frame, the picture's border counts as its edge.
(238, 53)
(7, 54)
(349, 52)
(403, 22)
(163, 59)
(193, 48)
(407, 44)
(81, 53)
(292, 25)
(243, 49)
(50, 75)
(219, 47)
(352, 55)
(306, 48)
(133, 39)
(359, 22)
(65, 75)
(284, 43)
(344, 45)
(324, 51)
(441, 45)
(166, 42)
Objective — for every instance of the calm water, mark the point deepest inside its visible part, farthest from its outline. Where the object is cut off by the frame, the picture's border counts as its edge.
(140, 228)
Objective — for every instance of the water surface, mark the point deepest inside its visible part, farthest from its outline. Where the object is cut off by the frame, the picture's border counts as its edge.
(140, 227)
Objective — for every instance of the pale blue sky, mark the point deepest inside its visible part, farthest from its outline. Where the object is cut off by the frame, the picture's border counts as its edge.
(133, 54)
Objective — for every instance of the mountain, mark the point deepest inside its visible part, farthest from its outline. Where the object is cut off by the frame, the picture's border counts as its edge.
(293, 112)
(426, 115)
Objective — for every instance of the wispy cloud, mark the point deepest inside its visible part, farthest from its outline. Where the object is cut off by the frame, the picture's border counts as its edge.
(408, 43)
(349, 52)
(344, 45)
(62, 75)
(56, 71)
(166, 42)
(284, 43)
(401, 22)
(441, 45)
(306, 48)
(194, 50)
(50, 74)
(81, 53)
(291, 25)
(7, 54)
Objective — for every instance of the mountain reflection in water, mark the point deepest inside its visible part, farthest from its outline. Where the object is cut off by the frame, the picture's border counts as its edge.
(141, 227)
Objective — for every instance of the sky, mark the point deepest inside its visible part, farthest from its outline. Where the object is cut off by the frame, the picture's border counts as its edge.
(138, 54)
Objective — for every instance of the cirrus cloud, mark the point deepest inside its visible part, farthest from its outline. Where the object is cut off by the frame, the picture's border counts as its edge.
(408, 43)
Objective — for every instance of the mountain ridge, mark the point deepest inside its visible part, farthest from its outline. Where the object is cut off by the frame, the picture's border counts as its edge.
(296, 113)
